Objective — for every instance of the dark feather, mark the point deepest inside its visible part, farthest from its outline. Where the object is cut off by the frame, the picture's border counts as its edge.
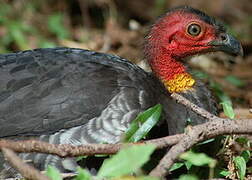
(74, 96)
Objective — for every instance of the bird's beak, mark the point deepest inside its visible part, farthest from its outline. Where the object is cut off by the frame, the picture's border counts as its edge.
(228, 44)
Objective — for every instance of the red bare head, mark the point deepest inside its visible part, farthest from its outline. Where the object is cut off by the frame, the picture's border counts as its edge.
(182, 32)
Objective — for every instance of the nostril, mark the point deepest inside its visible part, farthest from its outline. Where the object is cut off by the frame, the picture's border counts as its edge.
(223, 37)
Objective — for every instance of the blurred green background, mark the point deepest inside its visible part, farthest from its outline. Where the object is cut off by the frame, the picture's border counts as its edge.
(26, 24)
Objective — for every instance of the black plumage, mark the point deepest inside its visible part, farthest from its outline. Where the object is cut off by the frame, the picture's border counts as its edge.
(65, 95)
(75, 96)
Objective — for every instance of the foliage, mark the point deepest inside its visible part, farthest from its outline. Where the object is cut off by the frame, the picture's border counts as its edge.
(188, 177)
(53, 173)
(240, 164)
(143, 123)
(83, 175)
(192, 159)
(125, 162)
(244, 158)
(235, 81)
(19, 32)
(198, 159)
(224, 99)
(56, 26)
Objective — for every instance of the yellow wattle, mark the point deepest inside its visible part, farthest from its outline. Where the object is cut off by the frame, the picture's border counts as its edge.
(180, 82)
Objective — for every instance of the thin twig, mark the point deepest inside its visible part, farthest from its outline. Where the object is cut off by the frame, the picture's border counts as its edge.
(200, 111)
(216, 126)
(27, 171)
(66, 150)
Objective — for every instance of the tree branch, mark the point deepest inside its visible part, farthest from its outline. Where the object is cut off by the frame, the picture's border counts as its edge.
(200, 111)
(67, 150)
(216, 126)
(27, 171)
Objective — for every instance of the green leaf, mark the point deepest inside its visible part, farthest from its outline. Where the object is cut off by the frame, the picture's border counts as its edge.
(83, 175)
(46, 44)
(188, 165)
(224, 173)
(188, 177)
(101, 155)
(16, 31)
(200, 74)
(176, 166)
(240, 165)
(56, 26)
(206, 141)
(126, 161)
(198, 159)
(53, 173)
(224, 98)
(246, 155)
(79, 158)
(242, 140)
(235, 81)
(143, 123)
(228, 109)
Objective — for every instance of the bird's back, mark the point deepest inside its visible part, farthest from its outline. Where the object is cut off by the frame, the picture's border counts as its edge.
(74, 96)
(43, 91)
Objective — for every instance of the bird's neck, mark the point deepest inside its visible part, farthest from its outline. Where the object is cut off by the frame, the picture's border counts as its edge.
(172, 73)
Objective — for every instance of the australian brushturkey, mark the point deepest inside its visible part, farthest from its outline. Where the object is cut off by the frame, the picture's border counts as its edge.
(75, 96)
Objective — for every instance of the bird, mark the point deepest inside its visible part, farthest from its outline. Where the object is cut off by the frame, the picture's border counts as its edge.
(75, 96)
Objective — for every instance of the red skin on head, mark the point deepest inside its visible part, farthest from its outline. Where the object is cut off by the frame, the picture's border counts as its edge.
(169, 41)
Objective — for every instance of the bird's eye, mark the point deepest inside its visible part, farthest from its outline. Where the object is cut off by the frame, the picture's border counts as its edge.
(194, 29)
